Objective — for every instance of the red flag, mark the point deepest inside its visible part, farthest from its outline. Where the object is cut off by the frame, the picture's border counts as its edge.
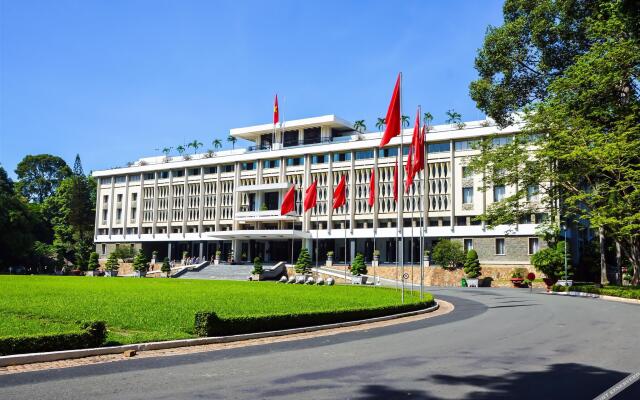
(340, 194)
(310, 196)
(395, 182)
(372, 188)
(418, 161)
(413, 150)
(276, 112)
(289, 202)
(392, 120)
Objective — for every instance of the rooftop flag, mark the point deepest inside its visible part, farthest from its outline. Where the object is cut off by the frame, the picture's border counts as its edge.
(418, 160)
(372, 188)
(340, 194)
(276, 112)
(413, 153)
(289, 202)
(310, 196)
(392, 120)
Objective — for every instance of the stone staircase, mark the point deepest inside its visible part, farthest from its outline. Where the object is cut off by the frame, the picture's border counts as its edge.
(238, 272)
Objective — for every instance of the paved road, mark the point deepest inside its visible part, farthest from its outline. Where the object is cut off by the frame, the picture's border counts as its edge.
(498, 343)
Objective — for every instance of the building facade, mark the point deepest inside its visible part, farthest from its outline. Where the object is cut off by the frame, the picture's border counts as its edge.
(230, 200)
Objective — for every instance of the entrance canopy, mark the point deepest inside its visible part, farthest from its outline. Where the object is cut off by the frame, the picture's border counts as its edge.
(264, 234)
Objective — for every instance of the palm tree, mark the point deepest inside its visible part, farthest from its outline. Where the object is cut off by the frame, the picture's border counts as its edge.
(405, 121)
(381, 123)
(217, 143)
(359, 125)
(427, 120)
(195, 144)
(180, 149)
(454, 118)
(166, 151)
(233, 141)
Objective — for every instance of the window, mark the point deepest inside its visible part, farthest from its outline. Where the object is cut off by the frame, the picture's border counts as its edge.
(194, 171)
(120, 198)
(118, 214)
(405, 150)
(466, 172)
(340, 157)
(177, 173)
(532, 193)
(105, 199)
(211, 170)
(105, 181)
(295, 161)
(319, 159)
(533, 245)
(226, 168)
(392, 152)
(134, 196)
(461, 221)
(438, 147)
(121, 179)
(104, 217)
(498, 193)
(133, 213)
(271, 163)
(468, 245)
(364, 154)
(467, 195)
(103, 248)
(501, 140)
(500, 246)
(248, 166)
(466, 145)
(134, 178)
(164, 175)
(149, 176)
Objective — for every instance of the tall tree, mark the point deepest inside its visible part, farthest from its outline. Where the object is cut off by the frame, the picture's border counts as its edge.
(217, 143)
(572, 68)
(359, 125)
(380, 123)
(77, 166)
(232, 140)
(39, 176)
(195, 145)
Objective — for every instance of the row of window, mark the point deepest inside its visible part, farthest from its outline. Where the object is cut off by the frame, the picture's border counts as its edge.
(500, 246)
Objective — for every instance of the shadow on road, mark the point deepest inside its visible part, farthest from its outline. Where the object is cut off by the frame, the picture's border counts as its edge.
(558, 381)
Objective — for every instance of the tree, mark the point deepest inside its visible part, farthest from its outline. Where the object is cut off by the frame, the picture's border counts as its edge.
(166, 266)
(428, 118)
(217, 143)
(359, 125)
(380, 123)
(454, 118)
(257, 266)
(140, 261)
(167, 151)
(39, 176)
(448, 254)
(180, 149)
(196, 145)
(303, 265)
(358, 266)
(472, 265)
(77, 166)
(550, 261)
(405, 121)
(112, 263)
(571, 68)
(93, 261)
(232, 140)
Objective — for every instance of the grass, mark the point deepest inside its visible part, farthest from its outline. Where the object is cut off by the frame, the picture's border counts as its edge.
(629, 292)
(141, 310)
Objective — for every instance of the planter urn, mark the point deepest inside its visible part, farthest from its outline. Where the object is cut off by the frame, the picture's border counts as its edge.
(517, 282)
(329, 263)
(472, 282)
(112, 274)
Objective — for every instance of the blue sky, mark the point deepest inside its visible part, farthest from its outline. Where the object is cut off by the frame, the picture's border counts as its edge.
(114, 80)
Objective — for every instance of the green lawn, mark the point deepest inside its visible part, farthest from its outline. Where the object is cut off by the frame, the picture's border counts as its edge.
(139, 310)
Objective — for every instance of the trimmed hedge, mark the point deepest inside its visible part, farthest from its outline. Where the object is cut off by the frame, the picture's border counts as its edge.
(617, 291)
(92, 334)
(208, 323)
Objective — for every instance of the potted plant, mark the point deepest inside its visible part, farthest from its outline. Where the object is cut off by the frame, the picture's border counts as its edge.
(426, 258)
(140, 264)
(472, 268)
(93, 264)
(303, 265)
(359, 270)
(166, 267)
(112, 265)
(216, 261)
(329, 259)
(257, 268)
(550, 262)
(517, 277)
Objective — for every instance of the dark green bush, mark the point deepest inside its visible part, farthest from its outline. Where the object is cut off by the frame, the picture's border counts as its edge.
(358, 266)
(617, 291)
(472, 265)
(90, 334)
(210, 324)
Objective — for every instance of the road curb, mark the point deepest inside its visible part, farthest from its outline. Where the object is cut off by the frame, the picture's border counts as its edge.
(596, 296)
(31, 358)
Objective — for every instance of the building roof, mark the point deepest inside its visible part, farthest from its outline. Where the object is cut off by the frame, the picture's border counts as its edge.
(251, 132)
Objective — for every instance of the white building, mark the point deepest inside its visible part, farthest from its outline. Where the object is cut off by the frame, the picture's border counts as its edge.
(230, 199)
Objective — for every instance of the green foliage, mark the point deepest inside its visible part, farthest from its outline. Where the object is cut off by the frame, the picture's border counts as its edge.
(550, 261)
(257, 266)
(519, 273)
(39, 176)
(166, 266)
(125, 253)
(93, 261)
(627, 292)
(448, 254)
(140, 261)
(86, 335)
(210, 324)
(303, 265)
(112, 263)
(472, 265)
(358, 266)
(142, 310)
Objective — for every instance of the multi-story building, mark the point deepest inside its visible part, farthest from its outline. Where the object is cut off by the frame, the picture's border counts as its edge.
(231, 199)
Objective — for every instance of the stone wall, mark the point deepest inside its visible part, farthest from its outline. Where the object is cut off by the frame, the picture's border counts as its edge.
(516, 249)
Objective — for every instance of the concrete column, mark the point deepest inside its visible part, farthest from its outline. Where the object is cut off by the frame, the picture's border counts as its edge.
(235, 246)
(376, 205)
(98, 215)
(155, 204)
(169, 251)
(185, 201)
(170, 204)
(140, 205)
(200, 250)
(125, 207)
(110, 204)
(218, 208)
(452, 181)
(352, 249)
(330, 188)
(352, 192)
(201, 203)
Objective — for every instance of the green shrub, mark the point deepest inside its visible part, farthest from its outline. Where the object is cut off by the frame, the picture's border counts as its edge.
(140, 262)
(210, 324)
(550, 261)
(166, 266)
(472, 265)
(303, 265)
(358, 266)
(93, 261)
(628, 292)
(448, 254)
(112, 263)
(257, 266)
(125, 253)
(90, 334)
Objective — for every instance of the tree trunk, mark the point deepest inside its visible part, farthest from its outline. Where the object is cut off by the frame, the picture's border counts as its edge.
(633, 251)
(619, 261)
(603, 261)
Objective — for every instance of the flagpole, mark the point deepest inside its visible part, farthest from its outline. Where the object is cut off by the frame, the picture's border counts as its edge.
(424, 205)
(400, 195)
(317, 240)
(345, 247)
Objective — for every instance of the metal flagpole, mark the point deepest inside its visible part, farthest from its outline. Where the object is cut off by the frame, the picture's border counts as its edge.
(317, 240)
(345, 247)
(400, 195)
(375, 228)
(424, 204)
